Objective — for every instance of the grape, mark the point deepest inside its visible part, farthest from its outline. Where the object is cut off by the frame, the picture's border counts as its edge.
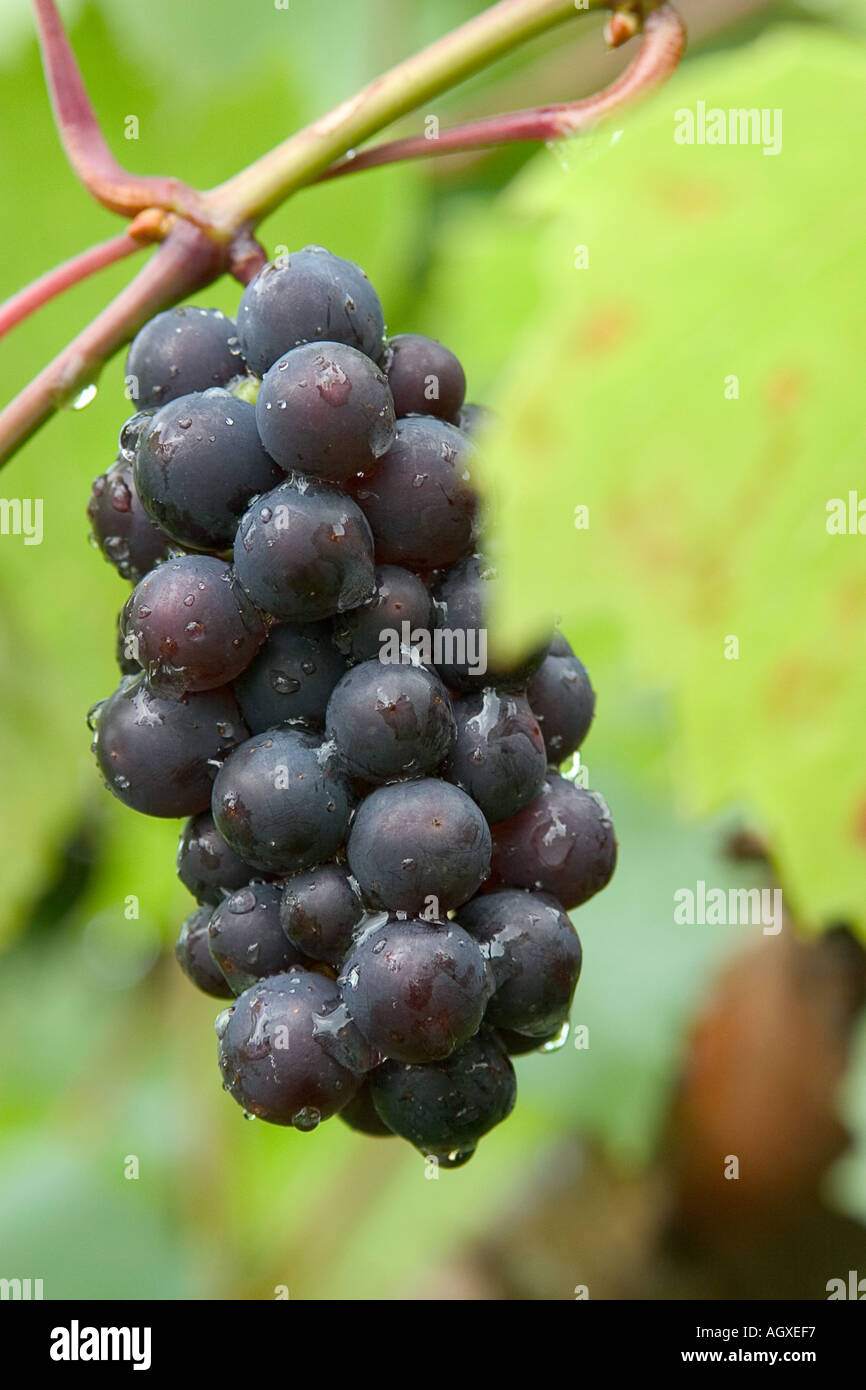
(390, 721)
(156, 754)
(534, 955)
(464, 598)
(561, 843)
(304, 552)
(498, 755)
(120, 526)
(277, 1053)
(280, 803)
(445, 1108)
(399, 598)
(425, 378)
(362, 1116)
(206, 866)
(475, 419)
(326, 410)
(180, 351)
(419, 498)
(291, 678)
(562, 700)
(417, 845)
(198, 462)
(416, 989)
(194, 958)
(246, 939)
(307, 296)
(321, 911)
(191, 626)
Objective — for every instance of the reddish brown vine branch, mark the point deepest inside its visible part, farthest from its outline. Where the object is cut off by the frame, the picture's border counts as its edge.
(661, 49)
(71, 272)
(206, 234)
(85, 145)
(182, 264)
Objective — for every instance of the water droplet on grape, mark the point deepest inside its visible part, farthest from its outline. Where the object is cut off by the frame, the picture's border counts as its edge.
(306, 1118)
(554, 1044)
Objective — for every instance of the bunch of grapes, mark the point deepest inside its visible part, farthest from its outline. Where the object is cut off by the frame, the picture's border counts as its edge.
(381, 845)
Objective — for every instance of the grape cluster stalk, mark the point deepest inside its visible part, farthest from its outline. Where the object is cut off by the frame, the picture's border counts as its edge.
(379, 839)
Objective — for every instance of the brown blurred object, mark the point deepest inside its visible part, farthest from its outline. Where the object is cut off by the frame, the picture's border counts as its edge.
(759, 1081)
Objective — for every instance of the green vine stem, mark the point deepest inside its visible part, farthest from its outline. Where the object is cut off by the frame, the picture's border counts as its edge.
(262, 186)
(659, 54)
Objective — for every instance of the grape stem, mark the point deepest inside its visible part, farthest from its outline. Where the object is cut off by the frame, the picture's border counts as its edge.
(206, 234)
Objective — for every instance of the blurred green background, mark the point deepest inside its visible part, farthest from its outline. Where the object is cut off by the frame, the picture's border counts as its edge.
(706, 520)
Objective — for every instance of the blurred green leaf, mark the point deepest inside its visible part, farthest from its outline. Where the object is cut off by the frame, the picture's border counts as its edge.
(84, 1237)
(707, 514)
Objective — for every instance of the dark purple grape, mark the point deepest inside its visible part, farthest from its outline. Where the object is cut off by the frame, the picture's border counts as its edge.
(419, 847)
(206, 866)
(475, 419)
(279, 1053)
(362, 1116)
(321, 912)
(534, 956)
(498, 755)
(519, 1044)
(156, 754)
(199, 461)
(562, 700)
(419, 499)
(246, 939)
(464, 599)
(280, 802)
(304, 551)
(425, 377)
(401, 604)
(390, 721)
(183, 350)
(291, 678)
(416, 989)
(445, 1108)
(191, 626)
(121, 527)
(194, 958)
(325, 409)
(305, 297)
(561, 843)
